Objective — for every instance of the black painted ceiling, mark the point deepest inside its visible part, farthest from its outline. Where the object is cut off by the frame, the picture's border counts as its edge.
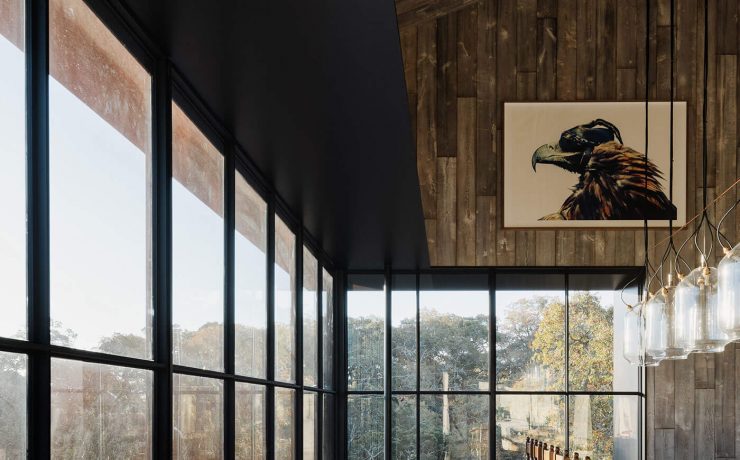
(314, 92)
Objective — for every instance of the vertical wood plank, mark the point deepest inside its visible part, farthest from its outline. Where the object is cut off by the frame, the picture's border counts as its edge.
(664, 446)
(547, 46)
(627, 34)
(705, 427)
(426, 130)
(727, 24)
(485, 230)
(446, 210)
(466, 202)
(467, 38)
(446, 108)
(606, 50)
(725, 402)
(704, 371)
(727, 135)
(545, 248)
(486, 170)
(664, 395)
(526, 35)
(431, 228)
(685, 394)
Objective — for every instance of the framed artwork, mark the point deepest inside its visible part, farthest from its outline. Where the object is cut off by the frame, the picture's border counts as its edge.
(582, 164)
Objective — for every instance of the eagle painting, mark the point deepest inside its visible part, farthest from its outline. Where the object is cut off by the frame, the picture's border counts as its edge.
(615, 182)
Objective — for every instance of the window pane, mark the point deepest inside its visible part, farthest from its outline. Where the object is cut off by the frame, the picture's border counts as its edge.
(530, 332)
(310, 319)
(454, 426)
(605, 426)
(13, 172)
(365, 332)
(518, 416)
(197, 246)
(250, 281)
(284, 302)
(284, 423)
(250, 421)
(595, 339)
(365, 427)
(453, 315)
(197, 417)
(13, 402)
(327, 309)
(328, 428)
(310, 427)
(404, 428)
(403, 335)
(99, 154)
(100, 411)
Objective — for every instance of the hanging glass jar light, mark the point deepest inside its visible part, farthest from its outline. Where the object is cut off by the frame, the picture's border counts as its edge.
(632, 340)
(660, 325)
(728, 295)
(697, 306)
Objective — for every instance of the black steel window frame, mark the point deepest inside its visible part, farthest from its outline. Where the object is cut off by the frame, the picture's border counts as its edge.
(168, 85)
(635, 274)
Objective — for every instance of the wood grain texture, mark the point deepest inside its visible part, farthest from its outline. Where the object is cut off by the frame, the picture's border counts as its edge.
(464, 59)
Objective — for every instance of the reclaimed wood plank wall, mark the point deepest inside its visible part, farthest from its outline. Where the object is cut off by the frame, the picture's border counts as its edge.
(464, 59)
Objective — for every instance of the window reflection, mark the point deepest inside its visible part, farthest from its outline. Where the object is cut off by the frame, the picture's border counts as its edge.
(365, 427)
(13, 369)
(100, 411)
(310, 426)
(404, 427)
(454, 426)
(310, 319)
(327, 313)
(285, 296)
(250, 421)
(403, 334)
(13, 171)
(604, 426)
(197, 418)
(197, 246)
(365, 332)
(519, 416)
(284, 423)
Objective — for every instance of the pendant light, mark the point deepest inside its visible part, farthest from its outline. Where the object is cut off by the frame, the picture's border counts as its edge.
(728, 285)
(660, 314)
(696, 295)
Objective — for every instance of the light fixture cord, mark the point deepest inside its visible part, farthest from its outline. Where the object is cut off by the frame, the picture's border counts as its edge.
(647, 122)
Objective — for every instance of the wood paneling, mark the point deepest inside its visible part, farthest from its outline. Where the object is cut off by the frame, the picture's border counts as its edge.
(464, 59)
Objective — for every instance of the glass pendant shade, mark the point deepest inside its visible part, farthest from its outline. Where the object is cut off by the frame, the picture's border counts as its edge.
(697, 312)
(633, 343)
(728, 293)
(660, 326)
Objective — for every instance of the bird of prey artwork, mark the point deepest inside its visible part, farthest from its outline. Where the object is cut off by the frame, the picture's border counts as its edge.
(615, 182)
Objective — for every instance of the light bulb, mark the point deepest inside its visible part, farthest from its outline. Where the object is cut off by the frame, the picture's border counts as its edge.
(728, 297)
(697, 312)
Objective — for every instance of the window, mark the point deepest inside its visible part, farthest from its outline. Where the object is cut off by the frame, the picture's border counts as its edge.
(365, 332)
(250, 280)
(197, 246)
(13, 172)
(13, 367)
(99, 155)
(310, 319)
(558, 373)
(284, 423)
(148, 298)
(197, 417)
(100, 411)
(285, 321)
(250, 421)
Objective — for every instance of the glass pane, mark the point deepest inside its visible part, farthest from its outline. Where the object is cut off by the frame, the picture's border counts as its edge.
(403, 335)
(365, 332)
(538, 416)
(197, 417)
(13, 401)
(605, 426)
(100, 411)
(310, 319)
(327, 313)
(596, 333)
(310, 427)
(197, 247)
(454, 426)
(250, 421)
(365, 427)
(404, 428)
(13, 172)
(250, 281)
(328, 428)
(284, 423)
(99, 154)
(284, 302)
(453, 317)
(530, 332)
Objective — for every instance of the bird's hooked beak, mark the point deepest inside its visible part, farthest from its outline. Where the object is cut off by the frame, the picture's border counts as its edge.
(554, 155)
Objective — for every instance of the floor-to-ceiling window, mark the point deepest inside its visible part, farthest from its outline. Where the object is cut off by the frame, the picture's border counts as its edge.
(152, 297)
(480, 360)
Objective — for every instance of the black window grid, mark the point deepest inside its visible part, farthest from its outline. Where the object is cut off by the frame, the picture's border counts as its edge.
(634, 274)
(168, 85)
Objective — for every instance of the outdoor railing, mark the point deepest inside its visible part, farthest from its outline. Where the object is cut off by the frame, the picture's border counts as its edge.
(538, 450)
